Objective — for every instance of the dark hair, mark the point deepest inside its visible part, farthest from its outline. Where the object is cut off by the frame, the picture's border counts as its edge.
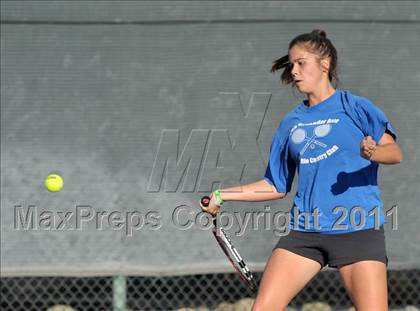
(318, 43)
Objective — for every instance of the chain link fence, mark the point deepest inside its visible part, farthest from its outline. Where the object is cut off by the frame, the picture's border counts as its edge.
(192, 292)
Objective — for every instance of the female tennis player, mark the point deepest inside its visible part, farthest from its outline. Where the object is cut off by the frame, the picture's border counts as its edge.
(336, 141)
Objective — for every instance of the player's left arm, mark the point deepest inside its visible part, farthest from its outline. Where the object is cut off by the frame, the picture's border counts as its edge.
(386, 151)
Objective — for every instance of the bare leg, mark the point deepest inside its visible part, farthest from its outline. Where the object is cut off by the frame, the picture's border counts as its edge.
(366, 284)
(285, 274)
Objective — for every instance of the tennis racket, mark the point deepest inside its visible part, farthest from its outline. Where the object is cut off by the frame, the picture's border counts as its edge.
(230, 251)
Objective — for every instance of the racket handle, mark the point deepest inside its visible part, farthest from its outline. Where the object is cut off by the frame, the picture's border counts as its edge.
(205, 201)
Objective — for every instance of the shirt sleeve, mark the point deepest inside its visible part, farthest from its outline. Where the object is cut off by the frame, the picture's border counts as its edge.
(373, 119)
(281, 166)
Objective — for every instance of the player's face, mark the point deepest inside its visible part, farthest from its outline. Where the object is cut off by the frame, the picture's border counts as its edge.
(306, 69)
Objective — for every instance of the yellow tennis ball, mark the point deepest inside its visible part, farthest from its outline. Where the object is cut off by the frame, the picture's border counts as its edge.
(54, 182)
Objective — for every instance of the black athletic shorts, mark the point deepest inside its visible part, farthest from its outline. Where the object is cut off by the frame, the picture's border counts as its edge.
(337, 249)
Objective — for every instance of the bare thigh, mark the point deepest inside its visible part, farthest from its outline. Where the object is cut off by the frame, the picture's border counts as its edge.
(366, 283)
(285, 274)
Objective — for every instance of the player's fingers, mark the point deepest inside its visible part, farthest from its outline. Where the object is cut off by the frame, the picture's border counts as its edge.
(371, 142)
(368, 154)
(366, 149)
(211, 209)
(203, 208)
(214, 210)
(368, 140)
(365, 153)
(369, 149)
(364, 142)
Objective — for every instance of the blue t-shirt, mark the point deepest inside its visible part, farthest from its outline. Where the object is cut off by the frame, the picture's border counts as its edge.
(337, 189)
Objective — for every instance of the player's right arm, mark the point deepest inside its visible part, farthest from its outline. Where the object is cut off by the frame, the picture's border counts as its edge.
(260, 190)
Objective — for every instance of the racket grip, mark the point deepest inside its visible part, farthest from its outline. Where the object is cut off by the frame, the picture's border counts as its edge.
(205, 201)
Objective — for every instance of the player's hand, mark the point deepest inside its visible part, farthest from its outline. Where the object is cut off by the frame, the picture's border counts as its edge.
(212, 208)
(367, 147)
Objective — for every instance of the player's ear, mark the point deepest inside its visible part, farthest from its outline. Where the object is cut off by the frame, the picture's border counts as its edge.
(325, 64)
